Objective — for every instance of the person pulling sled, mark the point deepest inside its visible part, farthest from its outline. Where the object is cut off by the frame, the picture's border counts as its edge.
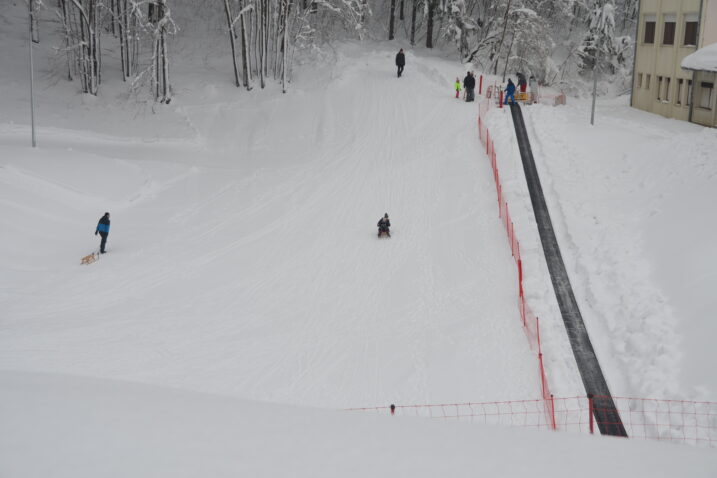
(383, 225)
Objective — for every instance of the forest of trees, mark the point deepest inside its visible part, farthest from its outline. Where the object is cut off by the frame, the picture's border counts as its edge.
(554, 40)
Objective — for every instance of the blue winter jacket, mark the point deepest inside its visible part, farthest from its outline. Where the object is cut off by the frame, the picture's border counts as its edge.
(104, 225)
(510, 89)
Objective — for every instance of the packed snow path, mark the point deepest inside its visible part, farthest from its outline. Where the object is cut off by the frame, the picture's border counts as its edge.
(607, 416)
(243, 256)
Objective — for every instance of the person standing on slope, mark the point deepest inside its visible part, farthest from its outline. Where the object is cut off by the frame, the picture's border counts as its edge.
(458, 87)
(383, 225)
(400, 61)
(510, 92)
(522, 84)
(103, 229)
(470, 83)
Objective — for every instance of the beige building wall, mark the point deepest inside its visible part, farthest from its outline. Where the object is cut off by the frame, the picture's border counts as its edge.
(709, 23)
(708, 36)
(659, 84)
(701, 115)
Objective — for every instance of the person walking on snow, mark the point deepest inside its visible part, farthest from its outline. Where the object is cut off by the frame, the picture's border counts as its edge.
(383, 225)
(458, 87)
(400, 61)
(103, 229)
(522, 84)
(510, 92)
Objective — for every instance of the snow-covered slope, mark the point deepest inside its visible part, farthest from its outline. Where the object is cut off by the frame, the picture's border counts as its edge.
(243, 256)
(63, 426)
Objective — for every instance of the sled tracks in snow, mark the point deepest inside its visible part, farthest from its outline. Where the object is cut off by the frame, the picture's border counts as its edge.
(606, 414)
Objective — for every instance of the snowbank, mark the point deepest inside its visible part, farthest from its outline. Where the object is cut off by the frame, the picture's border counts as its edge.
(63, 426)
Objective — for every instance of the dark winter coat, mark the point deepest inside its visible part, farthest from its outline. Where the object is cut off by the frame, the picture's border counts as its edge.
(510, 89)
(400, 59)
(470, 82)
(103, 227)
(383, 223)
(521, 79)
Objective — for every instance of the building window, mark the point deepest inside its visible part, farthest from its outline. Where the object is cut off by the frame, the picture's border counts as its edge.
(649, 30)
(688, 101)
(666, 96)
(706, 95)
(678, 94)
(659, 88)
(647, 81)
(690, 31)
(639, 80)
(668, 32)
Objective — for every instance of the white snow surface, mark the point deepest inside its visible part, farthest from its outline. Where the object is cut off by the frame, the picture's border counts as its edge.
(704, 59)
(69, 427)
(244, 268)
(243, 258)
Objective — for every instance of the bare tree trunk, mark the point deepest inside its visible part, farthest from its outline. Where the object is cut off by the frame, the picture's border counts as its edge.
(400, 11)
(502, 38)
(507, 56)
(429, 23)
(392, 19)
(413, 22)
(244, 49)
(68, 37)
(284, 43)
(227, 10)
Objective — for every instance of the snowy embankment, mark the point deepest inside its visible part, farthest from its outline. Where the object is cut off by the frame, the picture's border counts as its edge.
(631, 201)
(243, 257)
(73, 427)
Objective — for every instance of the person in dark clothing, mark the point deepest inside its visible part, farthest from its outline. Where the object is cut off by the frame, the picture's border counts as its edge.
(510, 92)
(470, 84)
(103, 229)
(383, 225)
(400, 61)
(522, 84)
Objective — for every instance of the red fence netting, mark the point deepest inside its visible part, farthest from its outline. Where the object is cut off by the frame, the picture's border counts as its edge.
(530, 321)
(678, 421)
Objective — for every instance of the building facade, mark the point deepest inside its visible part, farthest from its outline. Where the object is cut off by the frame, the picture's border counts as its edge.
(668, 31)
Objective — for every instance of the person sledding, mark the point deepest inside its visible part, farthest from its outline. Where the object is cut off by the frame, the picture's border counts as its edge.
(383, 225)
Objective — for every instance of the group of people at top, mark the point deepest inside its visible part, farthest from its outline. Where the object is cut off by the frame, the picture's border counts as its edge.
(522, 86)
(469, 83)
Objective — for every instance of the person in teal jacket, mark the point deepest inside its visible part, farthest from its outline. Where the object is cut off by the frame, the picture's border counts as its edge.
(103, 229)
(510, 92)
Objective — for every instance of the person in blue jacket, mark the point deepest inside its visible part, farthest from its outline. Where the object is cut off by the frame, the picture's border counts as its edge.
(103, 229)
(509, 92)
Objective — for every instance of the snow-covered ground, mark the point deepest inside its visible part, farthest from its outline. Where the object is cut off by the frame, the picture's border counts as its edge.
(70, 427)
(243, 257)
(243, 262)
(631, 200)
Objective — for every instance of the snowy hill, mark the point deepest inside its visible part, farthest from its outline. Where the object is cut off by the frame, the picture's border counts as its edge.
(243, 264)
(114, 429)
(243, 256)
